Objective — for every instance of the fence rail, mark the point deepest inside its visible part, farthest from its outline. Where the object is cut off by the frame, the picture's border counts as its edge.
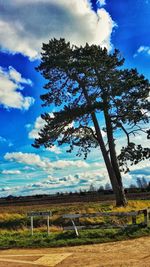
(132, 214)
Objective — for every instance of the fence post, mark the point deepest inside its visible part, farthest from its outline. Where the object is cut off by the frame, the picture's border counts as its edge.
(75, 228)
(31, 225)
(133, 219)
(48, 225)
(146, 217)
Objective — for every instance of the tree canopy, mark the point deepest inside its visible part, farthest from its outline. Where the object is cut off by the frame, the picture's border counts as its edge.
(92, 92)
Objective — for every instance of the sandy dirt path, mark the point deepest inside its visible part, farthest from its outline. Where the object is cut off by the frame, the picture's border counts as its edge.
(131, 253)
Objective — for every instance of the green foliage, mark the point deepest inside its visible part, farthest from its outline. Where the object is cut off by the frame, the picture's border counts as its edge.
(83, 80)
(134, 153)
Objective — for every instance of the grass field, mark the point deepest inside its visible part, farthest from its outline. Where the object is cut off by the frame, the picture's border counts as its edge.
(15, 225)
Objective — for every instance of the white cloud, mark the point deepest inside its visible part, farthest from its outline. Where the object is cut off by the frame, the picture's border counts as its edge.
(26, 158)
(52, 184)
(100, 3)
(55, 149)
(34, 159)
(17, 78)
(70, 182)
(97, 164)
(61, 164)
(28, 126)
(10, 86)
(142, 166)
(10, 144)
(11, 172)
(2, 139)
(79, 179)
(29, 168)
(38, 125)
(102, 132)
(143, 50)
(24, 25)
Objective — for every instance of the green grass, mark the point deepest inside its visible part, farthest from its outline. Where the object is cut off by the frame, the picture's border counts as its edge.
(23, 239)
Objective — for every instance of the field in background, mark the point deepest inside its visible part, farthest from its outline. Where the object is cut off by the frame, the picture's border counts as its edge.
(96, 196)
(15, 224)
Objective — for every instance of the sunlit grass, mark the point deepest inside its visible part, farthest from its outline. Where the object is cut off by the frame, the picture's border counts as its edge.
(16, 217)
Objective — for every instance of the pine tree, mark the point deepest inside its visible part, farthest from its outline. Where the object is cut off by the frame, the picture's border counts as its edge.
(85, 82)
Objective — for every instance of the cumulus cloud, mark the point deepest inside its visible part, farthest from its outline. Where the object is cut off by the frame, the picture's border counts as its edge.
(143, 50)
(3, 139)
(100, 3)
(53, 184)
(36, 160)
(55, 149)
(11, 172)
(79, 179)
(141, 168)
(26, 158)
(24, 25)
(38, 125)
(60, 164)
(29, 168)
(11, 85)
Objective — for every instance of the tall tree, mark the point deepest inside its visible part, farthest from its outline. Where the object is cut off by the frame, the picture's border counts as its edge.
(86, 82)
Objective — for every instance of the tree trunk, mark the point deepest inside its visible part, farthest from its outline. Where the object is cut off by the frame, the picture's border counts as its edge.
(117, 189)
(113, 155)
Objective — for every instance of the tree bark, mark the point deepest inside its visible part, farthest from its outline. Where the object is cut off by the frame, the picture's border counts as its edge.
(113, 155)
(117, 188)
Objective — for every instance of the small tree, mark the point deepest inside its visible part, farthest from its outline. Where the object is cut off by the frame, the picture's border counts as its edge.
(86, 82)
(132, 186)
(141, 183)
(107, 186)
(92, 188)
(101, 188)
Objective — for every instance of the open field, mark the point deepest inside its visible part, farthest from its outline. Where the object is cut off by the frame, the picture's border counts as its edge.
(131, 253)
(79, 206)
(69, 198)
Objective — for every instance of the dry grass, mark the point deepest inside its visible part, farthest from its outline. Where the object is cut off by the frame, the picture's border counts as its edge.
(12, 217)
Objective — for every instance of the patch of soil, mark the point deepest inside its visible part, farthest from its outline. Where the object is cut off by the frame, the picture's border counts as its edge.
(129, 253)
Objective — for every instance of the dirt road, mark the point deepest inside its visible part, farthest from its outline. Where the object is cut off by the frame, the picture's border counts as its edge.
(131, 253)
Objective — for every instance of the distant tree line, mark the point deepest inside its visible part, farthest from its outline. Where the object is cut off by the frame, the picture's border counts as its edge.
(141, 185)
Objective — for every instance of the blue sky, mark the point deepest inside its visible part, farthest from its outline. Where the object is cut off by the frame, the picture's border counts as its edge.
(24, 25)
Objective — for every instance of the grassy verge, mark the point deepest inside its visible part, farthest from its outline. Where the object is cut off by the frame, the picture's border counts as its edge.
(23, 239)
(14, 225)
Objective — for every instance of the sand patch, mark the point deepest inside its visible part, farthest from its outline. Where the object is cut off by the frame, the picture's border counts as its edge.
(49, 260)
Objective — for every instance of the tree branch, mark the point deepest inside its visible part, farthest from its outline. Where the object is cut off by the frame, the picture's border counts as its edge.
(124, 130)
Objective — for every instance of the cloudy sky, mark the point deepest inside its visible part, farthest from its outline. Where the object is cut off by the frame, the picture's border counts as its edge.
(24, 26)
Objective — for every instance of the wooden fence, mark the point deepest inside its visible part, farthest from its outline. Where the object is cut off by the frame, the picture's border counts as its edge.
(132, 214)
